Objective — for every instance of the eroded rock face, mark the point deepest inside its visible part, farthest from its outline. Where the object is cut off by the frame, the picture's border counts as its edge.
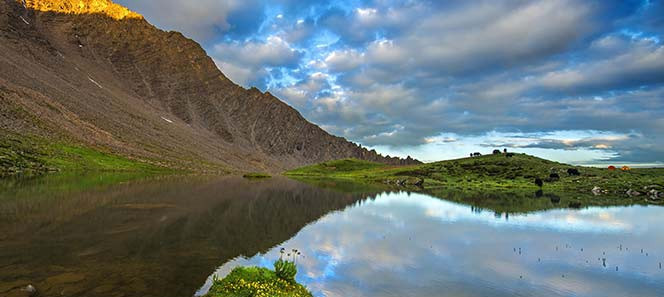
(105, 7)
(99, 74)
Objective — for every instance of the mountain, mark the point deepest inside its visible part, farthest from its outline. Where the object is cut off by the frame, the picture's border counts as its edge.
(95, 74)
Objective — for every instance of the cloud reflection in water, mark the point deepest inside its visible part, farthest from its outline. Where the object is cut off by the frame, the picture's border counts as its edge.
(402, 244)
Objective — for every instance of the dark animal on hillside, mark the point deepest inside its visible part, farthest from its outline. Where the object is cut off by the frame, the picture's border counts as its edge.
(539, 182)
(471, 155)
(573, 172)
(496, 152)
(476, 154)
(554, 176)
(509, 155)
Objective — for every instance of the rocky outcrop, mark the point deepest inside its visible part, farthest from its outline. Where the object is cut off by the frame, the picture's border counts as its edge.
(94, 72)
(104, 7)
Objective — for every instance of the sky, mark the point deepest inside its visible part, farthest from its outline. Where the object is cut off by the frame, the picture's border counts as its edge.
(573, 81)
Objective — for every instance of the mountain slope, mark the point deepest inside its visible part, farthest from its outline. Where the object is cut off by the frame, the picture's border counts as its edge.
(98, 75)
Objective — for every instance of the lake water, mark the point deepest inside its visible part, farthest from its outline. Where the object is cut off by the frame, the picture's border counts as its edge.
(168, 236)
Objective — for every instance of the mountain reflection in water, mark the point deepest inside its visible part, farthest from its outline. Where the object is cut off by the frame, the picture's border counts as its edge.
(78, 236)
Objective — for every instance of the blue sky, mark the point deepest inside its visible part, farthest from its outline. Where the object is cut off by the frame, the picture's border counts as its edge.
(574, 81)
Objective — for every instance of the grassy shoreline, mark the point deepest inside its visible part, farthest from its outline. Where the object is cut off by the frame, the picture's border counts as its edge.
(497, 178)
(29, 156)
(32, 156)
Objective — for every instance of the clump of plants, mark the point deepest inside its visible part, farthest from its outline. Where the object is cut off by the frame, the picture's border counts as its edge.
(285, 268)
(258, 281)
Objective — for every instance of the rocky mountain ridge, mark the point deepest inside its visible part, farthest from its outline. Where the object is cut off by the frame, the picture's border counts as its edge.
(93, 72)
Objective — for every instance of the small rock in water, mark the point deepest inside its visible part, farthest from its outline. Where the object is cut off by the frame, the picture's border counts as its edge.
(30, 289)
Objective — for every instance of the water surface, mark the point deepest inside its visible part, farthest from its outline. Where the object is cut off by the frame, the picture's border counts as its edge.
(406, 244)
(122, 235)
(90, 236)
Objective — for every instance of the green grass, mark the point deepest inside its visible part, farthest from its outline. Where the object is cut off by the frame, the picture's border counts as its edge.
(497, 178)
(78, 158)
(338, 168)
(255, 282)
(27, 156)
(256, 175)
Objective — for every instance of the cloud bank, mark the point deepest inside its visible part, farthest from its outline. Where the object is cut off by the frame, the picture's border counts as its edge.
(410, 74)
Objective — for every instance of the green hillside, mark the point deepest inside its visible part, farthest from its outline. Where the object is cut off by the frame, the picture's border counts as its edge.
(501, 176)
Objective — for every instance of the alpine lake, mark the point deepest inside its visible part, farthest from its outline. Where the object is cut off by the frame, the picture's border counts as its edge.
(119, 235)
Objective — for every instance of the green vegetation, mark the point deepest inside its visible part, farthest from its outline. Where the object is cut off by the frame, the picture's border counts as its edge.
(338, 168)
(256, 175)
(257, 282)
(285, 270)
(29, 156)
(500, 183)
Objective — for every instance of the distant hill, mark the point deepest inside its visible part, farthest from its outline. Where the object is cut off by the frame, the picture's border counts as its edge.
(499, 178)
(93, 74)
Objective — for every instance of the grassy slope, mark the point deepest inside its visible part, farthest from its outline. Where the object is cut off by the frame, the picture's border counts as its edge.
(255, 281)
(495, 176)
(22, 155)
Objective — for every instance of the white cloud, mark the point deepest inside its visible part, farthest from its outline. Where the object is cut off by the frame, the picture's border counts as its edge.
(344, 60)
(198, 19)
